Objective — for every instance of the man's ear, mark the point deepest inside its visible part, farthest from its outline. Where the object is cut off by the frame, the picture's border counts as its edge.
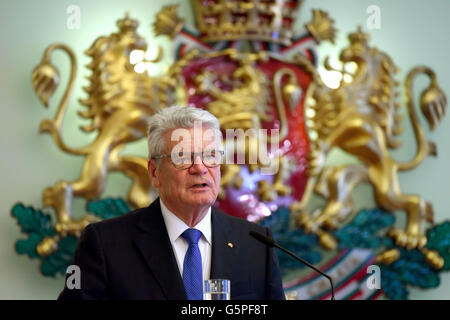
(153, 172)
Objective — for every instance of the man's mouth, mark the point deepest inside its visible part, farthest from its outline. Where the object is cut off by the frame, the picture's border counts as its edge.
(199, 185)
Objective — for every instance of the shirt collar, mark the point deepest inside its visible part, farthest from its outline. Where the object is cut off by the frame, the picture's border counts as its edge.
(175, 226)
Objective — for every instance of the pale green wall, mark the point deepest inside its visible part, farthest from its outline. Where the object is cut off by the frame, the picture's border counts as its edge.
(412, 32)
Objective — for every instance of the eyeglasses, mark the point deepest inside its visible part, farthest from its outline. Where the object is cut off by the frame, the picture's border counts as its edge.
(185, 160)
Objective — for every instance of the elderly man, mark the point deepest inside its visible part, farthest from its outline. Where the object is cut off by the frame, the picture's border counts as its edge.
(167, 250)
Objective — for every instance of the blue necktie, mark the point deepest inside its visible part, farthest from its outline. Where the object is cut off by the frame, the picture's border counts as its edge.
(192, 266)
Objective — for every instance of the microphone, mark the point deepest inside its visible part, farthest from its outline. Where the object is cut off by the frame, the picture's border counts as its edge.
(271, 243)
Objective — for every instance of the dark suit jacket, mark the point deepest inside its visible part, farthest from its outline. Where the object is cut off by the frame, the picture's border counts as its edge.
(130, 257)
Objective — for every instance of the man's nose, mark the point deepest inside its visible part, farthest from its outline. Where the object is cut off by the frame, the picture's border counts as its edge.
(198, 167)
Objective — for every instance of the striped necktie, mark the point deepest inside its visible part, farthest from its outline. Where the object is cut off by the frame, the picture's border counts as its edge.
(192, 266)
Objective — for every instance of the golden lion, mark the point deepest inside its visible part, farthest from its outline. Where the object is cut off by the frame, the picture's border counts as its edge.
(120, 102)
(360, 117)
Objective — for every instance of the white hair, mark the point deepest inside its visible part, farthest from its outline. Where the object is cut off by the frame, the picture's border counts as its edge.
(175, 117)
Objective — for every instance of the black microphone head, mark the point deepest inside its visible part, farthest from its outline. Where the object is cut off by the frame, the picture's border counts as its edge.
(263, 238)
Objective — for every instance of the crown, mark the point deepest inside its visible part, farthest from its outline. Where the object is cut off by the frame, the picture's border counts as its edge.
(359, 37)
(260, 20)
(127, 24)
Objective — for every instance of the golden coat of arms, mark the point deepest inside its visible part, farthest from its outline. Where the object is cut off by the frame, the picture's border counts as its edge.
(246, 64)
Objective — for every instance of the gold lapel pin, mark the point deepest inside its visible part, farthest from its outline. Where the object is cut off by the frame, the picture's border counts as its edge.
(230, 245)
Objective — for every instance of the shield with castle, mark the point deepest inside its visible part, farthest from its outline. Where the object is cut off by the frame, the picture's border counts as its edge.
(247, 63)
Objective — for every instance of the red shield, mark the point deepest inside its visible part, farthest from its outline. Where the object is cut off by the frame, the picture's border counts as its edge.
(292, 86)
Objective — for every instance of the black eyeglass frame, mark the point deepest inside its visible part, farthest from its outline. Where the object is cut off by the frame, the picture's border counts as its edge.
(196, 154)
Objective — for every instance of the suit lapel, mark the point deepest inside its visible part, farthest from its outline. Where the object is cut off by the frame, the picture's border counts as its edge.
(154, 244)
(222, 253)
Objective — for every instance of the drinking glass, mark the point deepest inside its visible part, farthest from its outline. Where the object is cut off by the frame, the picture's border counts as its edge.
(216, 289)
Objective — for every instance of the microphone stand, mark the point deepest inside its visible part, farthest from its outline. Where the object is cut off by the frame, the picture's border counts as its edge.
(271, 243)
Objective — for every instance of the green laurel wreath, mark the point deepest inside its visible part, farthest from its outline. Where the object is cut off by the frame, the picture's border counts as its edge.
(37, 225)
(364, 231)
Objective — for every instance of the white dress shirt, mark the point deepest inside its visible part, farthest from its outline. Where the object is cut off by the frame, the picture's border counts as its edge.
(175, 227)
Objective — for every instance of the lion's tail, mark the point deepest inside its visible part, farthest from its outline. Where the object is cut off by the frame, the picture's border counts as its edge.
(433, 103)
(46, 79)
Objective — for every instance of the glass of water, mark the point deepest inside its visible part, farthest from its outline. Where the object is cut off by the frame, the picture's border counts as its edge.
(216, 289)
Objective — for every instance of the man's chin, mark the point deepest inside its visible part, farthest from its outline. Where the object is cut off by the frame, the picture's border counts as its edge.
(202, 201)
